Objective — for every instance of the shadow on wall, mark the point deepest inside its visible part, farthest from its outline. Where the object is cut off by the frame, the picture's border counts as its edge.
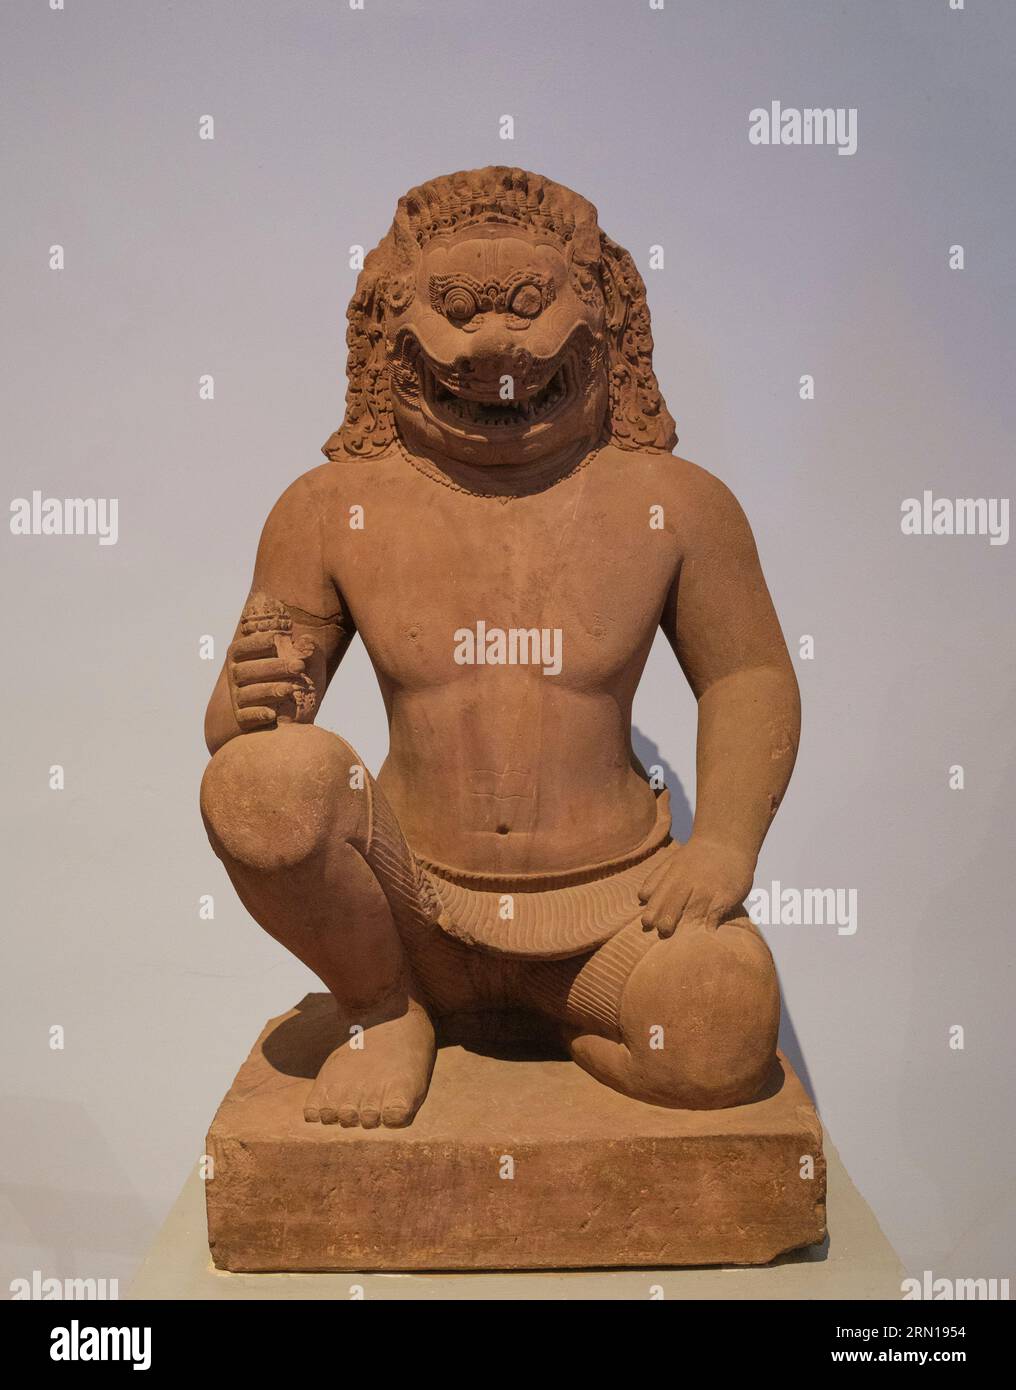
(649, 755)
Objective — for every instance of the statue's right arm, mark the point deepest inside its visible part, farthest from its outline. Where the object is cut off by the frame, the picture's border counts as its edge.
(273, 671)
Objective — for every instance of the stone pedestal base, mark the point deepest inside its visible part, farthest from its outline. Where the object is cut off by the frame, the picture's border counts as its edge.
(511, 1164)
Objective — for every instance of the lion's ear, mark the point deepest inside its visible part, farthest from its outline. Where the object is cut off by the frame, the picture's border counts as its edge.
(639, 418)
(368, 428)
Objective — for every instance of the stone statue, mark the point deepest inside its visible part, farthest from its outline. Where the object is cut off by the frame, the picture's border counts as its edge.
(503, 522)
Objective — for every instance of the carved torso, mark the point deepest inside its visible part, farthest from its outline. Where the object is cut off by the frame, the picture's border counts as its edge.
(492, 765)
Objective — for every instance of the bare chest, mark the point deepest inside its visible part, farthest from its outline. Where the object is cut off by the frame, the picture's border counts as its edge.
(566, 585)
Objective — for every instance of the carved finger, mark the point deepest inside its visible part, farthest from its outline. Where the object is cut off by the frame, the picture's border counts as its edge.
(652, 905)
(255, 717)
(274, 669)
(255, 645)
(251, 695)
(653, 877)
(663, 911)
(664, 921)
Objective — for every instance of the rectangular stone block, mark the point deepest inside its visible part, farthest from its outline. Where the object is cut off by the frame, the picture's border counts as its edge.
(596, 1180)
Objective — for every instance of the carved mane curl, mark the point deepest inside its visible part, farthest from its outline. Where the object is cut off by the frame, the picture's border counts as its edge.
(637, 415)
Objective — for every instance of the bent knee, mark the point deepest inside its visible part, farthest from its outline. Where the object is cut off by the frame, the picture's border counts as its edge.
(700, 1016)
(272, 799)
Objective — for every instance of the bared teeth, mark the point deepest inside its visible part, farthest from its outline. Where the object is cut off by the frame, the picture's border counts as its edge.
(499, 414)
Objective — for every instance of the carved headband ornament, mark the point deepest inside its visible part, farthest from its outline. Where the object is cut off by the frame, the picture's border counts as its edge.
(601, 272)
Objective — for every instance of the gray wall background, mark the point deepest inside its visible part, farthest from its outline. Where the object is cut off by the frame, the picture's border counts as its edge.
(231, 257)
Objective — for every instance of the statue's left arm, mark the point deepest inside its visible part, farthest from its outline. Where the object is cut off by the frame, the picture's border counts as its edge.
(720, 621)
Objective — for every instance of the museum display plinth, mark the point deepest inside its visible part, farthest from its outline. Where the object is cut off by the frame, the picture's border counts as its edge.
(512, 1163)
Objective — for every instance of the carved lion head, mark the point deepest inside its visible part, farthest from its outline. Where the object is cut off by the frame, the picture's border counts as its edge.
(495, 323)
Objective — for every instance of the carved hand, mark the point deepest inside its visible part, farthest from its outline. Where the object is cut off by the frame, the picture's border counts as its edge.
(695, 885)
(267, 668)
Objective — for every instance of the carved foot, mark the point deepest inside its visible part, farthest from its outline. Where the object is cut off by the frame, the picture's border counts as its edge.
(380, 1076)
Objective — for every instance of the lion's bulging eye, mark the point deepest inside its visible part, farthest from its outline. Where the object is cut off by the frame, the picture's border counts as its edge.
(459, 304)
(526, 302)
